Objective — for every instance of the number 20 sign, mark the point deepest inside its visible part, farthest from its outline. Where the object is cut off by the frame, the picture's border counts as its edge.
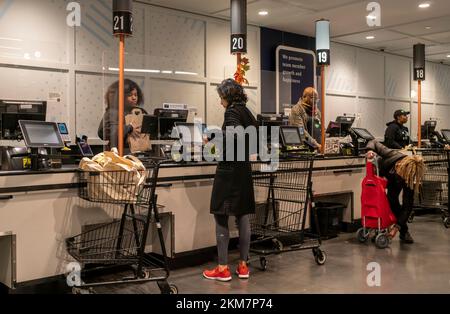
(238, 43)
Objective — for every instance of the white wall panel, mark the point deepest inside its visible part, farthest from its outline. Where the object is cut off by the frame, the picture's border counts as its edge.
(341, 75)
(397, 77)
(337, 106)
(370, 67)
(442, 114)
(443, 84)
(371, 115)
(26, 31)
(177, 42)
(21, 84)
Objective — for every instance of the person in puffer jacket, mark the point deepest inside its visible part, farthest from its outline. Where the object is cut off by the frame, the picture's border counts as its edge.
(404, 174)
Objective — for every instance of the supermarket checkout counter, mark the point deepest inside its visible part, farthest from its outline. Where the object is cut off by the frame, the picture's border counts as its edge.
(39, 209)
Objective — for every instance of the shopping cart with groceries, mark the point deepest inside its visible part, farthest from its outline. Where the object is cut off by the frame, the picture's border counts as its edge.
(122, 242)
(283, 192)
(376, 215)
(434, 192)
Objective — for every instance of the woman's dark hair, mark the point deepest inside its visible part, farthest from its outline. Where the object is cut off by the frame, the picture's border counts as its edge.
(232, 92)
(112, 94)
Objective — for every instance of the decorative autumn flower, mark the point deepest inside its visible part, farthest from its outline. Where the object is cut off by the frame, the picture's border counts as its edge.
(241, 70)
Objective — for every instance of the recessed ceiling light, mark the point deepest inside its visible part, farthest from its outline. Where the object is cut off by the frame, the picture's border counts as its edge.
(370, 37)
(427, 27)
(263, 13)
(448, 56)
(424, 5)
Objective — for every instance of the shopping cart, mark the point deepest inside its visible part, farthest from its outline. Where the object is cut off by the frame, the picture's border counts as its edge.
(434, 192)
(122, 242)
(279, 222)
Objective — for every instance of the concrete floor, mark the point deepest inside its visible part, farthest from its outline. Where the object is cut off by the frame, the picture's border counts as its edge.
(423, 267)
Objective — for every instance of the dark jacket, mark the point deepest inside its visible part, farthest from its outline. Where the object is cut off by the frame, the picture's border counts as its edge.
(233, 193)
(389, 157)
(396, 135)
(109, 127)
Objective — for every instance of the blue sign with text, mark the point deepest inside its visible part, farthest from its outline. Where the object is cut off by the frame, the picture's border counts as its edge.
(296, 70)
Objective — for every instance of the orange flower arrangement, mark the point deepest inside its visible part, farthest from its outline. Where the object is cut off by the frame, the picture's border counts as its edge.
(242, 68)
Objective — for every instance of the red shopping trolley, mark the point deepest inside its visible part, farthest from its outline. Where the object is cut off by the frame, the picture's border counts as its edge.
(376, 214)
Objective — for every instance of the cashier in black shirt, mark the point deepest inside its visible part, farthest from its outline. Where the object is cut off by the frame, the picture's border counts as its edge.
(397, 134)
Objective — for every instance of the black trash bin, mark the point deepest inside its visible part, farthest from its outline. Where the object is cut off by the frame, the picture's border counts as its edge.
(330, 216)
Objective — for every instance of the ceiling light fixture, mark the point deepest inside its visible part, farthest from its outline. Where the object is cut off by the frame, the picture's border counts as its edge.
(448, 56)
(263, 13)
(427, 27)
(424, 5)
(370, 37)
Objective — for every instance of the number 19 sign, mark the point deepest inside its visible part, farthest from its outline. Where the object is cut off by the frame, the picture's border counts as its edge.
(238, 43)
(323, 57)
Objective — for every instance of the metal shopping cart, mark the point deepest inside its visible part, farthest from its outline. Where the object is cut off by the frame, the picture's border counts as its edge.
(122, 242)
(279, 224)
(434, 193)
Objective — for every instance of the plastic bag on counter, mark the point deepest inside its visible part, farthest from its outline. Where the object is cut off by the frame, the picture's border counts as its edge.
(112, 178)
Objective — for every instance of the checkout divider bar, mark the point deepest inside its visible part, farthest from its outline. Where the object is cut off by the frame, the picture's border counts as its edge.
(34, 188)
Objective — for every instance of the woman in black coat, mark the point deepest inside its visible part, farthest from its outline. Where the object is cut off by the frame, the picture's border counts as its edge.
(233, 193)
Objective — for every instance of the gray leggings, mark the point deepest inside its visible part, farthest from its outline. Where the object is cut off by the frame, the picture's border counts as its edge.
(223, 237)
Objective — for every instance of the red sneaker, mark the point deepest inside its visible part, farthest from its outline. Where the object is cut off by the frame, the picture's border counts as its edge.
(216, 274)
(242, 271)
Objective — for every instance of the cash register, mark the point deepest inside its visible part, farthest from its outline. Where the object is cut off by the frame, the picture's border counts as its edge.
(14, 155)
(40, 135)
(446, 135)
(360, 138)
(293, 141)
(431, 138)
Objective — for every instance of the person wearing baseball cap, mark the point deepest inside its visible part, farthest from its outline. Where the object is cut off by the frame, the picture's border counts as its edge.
(397, 134)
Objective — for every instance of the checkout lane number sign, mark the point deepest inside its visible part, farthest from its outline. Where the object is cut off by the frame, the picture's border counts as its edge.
(123, 23)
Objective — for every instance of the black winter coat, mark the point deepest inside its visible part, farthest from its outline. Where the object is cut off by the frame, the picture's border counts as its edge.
(233, 193)
(396, 135)
(389, 157)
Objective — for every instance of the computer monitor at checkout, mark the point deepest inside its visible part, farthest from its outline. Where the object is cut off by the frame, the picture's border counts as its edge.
(38, 134)
(291, 136)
